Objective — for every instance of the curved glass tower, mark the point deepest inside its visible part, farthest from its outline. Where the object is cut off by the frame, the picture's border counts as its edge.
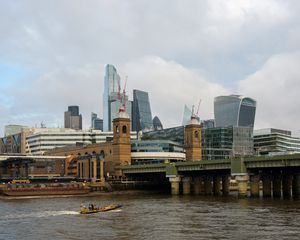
(234, 110)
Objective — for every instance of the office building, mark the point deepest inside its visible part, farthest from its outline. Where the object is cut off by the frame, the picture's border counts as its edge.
(41, 140)
(12, 129)
(72, 118)
(272, 141)
(110, 94)
(157, 125)
(209, 123)
(141, 112)
(175, 134)
(96, 123)
(113, 99)
(187, 113)
(227, 142)
(156, 151)
(234, 110)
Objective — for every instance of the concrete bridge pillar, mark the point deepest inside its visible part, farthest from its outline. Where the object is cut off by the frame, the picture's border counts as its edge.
(242, 185)
(198, 185)
(267, 185)
(186, 185)
(296, 185)
(174, 185)
(277, 186)
(207, 185)
(216, 185)
(254, 185)
(225, 185)
(286, 185)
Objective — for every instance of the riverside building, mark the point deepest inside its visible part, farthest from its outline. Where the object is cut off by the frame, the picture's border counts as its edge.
(271, 141)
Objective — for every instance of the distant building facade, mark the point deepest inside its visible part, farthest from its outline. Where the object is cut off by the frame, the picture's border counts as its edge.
(12, 129)
(227, 142)
(72, 118)
(275, 141)
(141, 112)
(112, 98)
(96, 123)
(234, 110)
(157, 125)
(41, 140)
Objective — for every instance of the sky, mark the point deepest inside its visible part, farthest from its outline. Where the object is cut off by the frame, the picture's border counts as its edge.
(53, 54)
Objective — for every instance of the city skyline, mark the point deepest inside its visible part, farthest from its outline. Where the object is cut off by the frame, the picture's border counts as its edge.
(194, 50)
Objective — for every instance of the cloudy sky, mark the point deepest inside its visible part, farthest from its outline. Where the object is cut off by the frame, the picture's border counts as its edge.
(53, 54)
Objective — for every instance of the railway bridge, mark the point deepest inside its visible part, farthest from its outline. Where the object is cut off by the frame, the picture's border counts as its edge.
(277, 176)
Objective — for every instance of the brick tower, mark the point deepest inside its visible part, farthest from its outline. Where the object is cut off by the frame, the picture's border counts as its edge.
(121, 139)
(193, 140)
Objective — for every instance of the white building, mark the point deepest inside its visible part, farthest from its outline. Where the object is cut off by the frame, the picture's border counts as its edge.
(41, 140)
(275, 141)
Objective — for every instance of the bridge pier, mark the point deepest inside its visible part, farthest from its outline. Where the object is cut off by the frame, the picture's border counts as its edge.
(216, 185)
(225, 185)
(277, 186)
(286, 185)
(254, 185)
(242, 181)
(186, 185)
(267, 185)
(296, 185)
(198, 185)
(207, 185)
(174, 185)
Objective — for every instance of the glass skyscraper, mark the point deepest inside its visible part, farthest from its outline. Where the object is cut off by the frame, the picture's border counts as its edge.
(110, 94)
(141, 112)
(234, 110)
(112, 99)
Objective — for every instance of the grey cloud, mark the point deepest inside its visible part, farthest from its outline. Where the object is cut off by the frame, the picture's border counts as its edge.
(199, 49)
(276, 88)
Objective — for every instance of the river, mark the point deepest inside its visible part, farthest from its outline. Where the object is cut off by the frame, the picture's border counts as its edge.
(150, 216)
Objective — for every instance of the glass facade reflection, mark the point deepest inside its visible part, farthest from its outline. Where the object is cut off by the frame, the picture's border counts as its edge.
(234, 110)
(110, 94)
(141, 112)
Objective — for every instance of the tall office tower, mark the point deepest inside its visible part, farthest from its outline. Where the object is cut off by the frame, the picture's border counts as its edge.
(112, 98)
(96, 123)
(141, 112)
(234, 110)
(187, 113)
(157, 124)
(110, 94)
(72, 118)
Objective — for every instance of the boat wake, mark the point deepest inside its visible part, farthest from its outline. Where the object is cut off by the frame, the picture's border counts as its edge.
(40, 214)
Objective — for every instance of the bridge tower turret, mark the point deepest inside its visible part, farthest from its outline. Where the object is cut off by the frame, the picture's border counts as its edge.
(193, 140)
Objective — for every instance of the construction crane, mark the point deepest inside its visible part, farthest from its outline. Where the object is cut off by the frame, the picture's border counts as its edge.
(124, 94)
(198, 107)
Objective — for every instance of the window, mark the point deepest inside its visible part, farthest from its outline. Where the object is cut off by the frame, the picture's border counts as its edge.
(124, 129)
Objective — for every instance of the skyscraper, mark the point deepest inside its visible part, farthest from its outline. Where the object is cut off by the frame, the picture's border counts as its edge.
(96, 123)
(187, 113)
(112, 98)
(234, 110)
(141, 112)
(157, 125)
(110, 94)
(72, 118)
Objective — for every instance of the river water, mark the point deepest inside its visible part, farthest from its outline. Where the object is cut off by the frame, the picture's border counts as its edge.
(150, 216)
